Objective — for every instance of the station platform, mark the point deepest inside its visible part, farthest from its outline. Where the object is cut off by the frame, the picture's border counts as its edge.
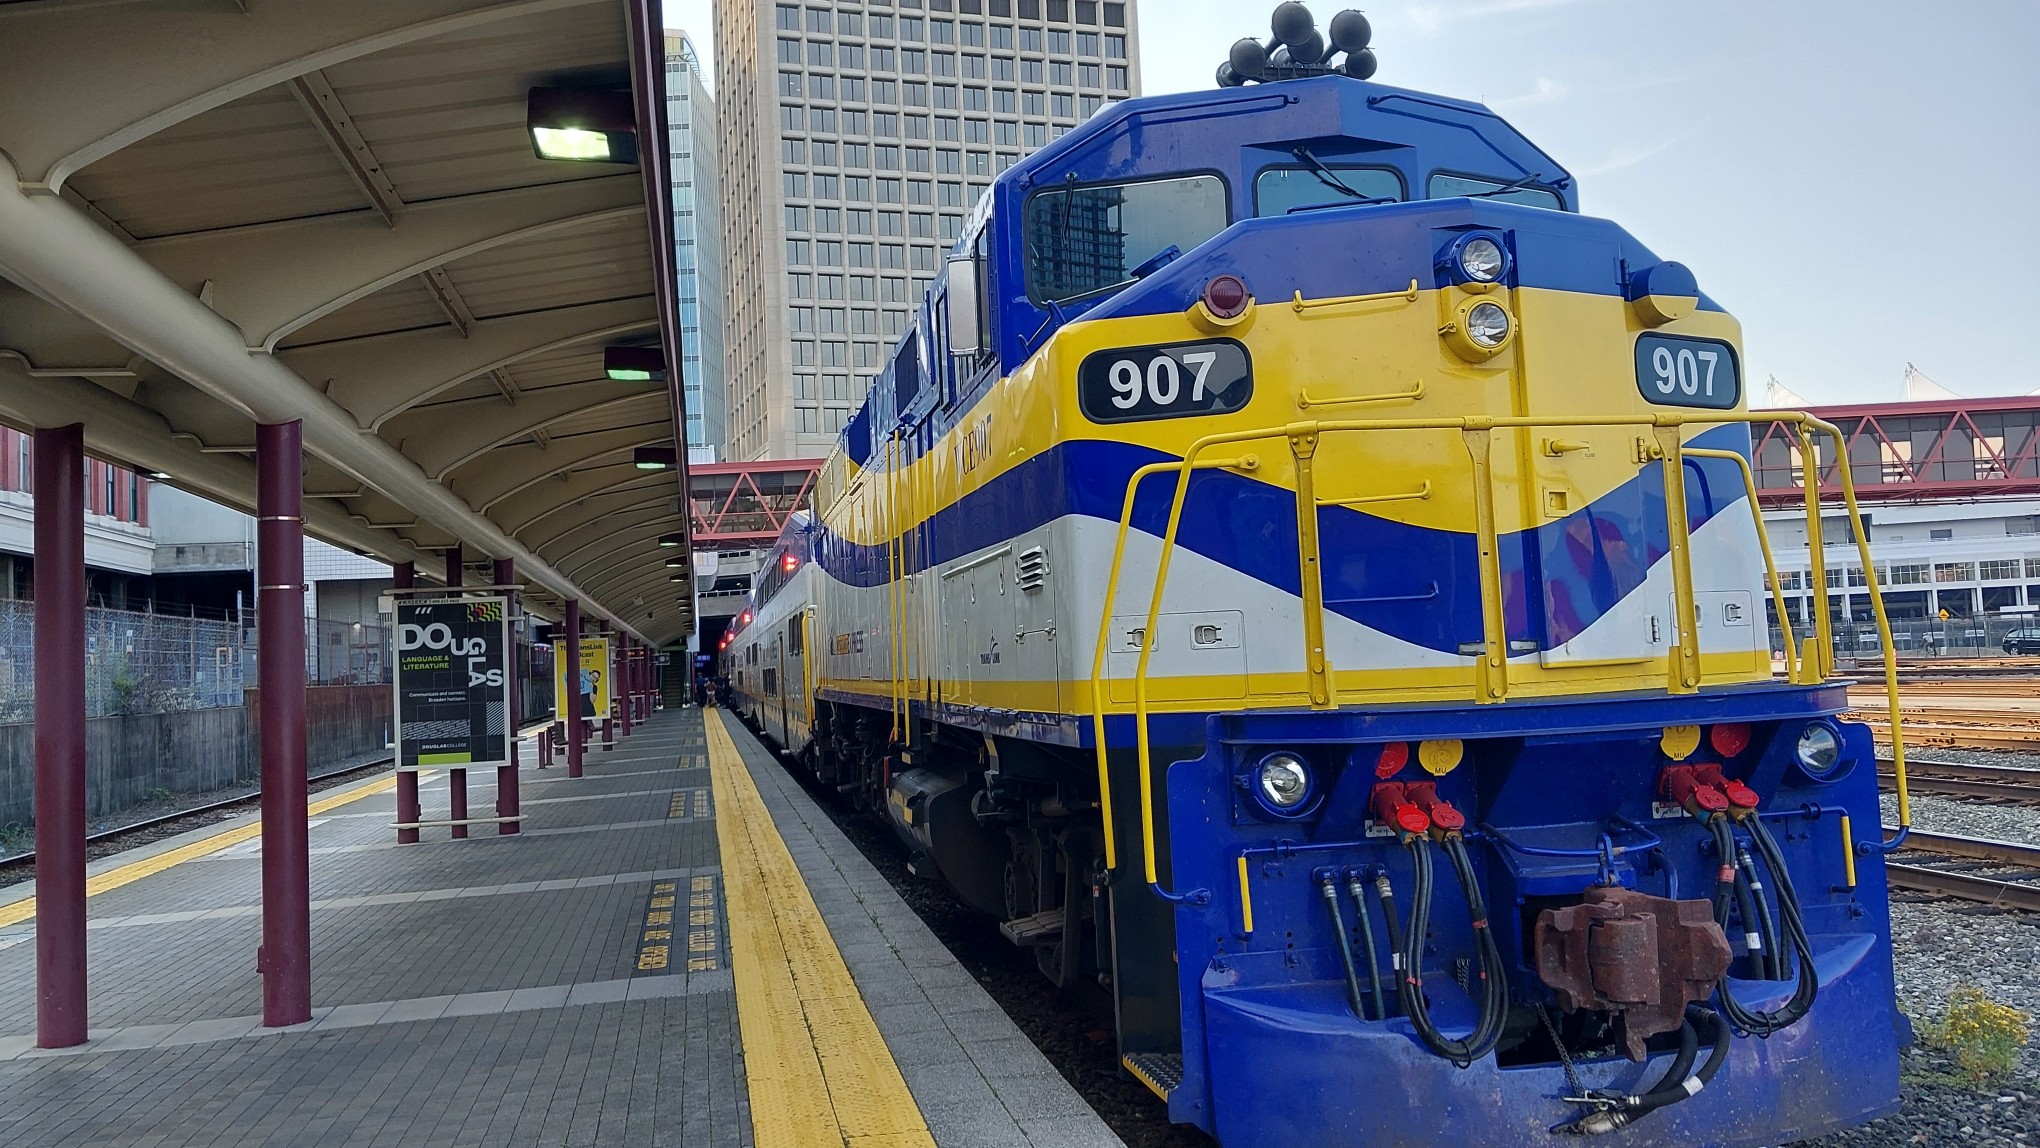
(678, 948)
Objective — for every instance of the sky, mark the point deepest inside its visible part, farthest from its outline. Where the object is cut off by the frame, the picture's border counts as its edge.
(1858, 183)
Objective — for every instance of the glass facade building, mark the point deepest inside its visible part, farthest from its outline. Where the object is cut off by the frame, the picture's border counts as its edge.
(856, 136)
(697, 239)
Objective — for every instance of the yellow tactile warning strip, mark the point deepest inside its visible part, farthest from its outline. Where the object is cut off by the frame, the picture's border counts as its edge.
(134, 871)
(819, 1071)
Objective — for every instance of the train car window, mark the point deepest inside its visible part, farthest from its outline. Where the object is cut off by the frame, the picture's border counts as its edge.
(988, 312)
(1282, 190)
(1083, 240)
(907, 374)
(793, 638)
(1444, 186)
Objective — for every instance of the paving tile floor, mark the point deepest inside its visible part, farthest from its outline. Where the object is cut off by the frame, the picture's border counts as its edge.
(495, 990)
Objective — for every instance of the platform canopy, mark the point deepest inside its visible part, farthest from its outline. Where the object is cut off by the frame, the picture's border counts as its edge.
(215, 213)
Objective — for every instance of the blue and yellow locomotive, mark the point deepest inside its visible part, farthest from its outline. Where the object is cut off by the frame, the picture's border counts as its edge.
(1301, 574)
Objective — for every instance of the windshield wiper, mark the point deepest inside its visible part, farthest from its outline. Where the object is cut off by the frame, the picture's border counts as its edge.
(1526, 181)
(1325, 176)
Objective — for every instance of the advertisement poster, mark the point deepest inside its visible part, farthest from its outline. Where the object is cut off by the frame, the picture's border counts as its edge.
(453, 683)
(594, 683)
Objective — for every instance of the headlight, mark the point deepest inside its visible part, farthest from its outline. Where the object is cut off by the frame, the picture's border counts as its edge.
(1284, 781)
(1487, 324)
(1481, 260)
(1819, 748)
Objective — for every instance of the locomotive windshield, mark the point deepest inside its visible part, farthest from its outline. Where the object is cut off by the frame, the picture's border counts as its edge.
(1082, 240)
(1445, 186)
(1281, 190)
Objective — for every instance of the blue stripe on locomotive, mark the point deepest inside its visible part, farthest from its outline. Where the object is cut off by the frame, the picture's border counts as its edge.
(1250, 526)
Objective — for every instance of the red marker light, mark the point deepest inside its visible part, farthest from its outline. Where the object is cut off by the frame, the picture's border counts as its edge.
(1226, 297)
(789, 563)
(1729, 740)
(1394, 756)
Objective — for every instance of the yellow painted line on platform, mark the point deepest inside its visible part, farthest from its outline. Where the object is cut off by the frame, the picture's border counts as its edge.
(134, 871)
(819, 1072)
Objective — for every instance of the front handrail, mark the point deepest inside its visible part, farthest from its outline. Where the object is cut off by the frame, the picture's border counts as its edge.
(1793, 660)
(1666, 446)
(1147, 813)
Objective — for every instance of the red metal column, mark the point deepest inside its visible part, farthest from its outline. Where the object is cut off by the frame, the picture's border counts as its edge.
(403, 576)
(626, 675)
(576, 720)
(609, 730)
(506, 776)
(60, 736)
(286, 956)
(456, 778)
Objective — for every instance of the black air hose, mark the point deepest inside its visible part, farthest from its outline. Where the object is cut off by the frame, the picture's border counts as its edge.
(1767, 923)
(1329, 884)
(1615, 1111)
(1354, 886)
(1493, 997)
(1752, 935)
(1759, 1023)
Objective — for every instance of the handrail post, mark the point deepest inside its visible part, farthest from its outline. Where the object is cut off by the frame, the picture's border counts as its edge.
(1749, 481)
(1890, 651)
(1303, 445)
(894, 562)
(1815, 668)
(1684, 667)
(1491, 669)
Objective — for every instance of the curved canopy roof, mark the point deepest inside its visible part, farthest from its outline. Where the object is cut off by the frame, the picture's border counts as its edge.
(221, 212)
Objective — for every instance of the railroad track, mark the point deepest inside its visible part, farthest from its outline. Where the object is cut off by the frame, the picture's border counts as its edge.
(1954, 779)
(119, 831)
(2005, 874)
(1946, 734)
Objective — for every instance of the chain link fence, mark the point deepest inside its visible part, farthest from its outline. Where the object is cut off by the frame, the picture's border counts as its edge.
(344, 653)
(161, 663)
(134, 663)
(1984, 637)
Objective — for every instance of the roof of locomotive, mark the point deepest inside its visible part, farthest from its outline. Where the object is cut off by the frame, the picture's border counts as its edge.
(1238, 131)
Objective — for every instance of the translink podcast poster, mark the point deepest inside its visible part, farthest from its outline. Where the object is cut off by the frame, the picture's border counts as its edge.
(453, 683)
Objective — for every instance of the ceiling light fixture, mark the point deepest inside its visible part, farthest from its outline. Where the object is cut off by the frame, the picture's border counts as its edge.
(582, 125)
(634, 364)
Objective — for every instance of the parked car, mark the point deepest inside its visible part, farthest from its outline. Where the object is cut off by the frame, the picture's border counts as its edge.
(2023, 642)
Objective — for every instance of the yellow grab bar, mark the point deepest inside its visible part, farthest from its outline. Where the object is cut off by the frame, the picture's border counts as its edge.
(1806, 667)
(1749, 479)
(1133, 482)
(1848, 485)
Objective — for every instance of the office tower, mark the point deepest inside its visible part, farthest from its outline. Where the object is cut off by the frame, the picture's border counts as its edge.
(697, 240)
(856, 136)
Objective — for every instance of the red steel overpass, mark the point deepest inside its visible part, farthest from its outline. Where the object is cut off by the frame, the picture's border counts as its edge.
(1912, 451)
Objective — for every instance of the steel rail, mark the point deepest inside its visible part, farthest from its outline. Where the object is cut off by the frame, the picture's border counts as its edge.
(1951, 779)
(1984, 890)
(1976, 848)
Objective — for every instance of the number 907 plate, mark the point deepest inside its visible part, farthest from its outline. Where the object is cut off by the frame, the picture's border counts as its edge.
(1173, 380)
(1675, 371)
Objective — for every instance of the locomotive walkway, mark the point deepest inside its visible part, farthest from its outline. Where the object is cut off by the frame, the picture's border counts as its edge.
(679, 948)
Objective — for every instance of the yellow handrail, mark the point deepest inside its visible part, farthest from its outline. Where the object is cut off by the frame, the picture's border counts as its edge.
(1249, 462)
(1492, 669)
(1749, 479)
(1848, 485)
(896, 568)
(810, 664)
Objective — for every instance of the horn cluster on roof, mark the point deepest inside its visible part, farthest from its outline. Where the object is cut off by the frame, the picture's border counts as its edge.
(1297, 49)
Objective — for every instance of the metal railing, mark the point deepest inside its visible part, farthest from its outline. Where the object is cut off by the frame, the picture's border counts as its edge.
(1807, 662)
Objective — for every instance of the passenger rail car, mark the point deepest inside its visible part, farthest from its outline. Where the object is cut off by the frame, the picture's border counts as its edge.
(1302, 574)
